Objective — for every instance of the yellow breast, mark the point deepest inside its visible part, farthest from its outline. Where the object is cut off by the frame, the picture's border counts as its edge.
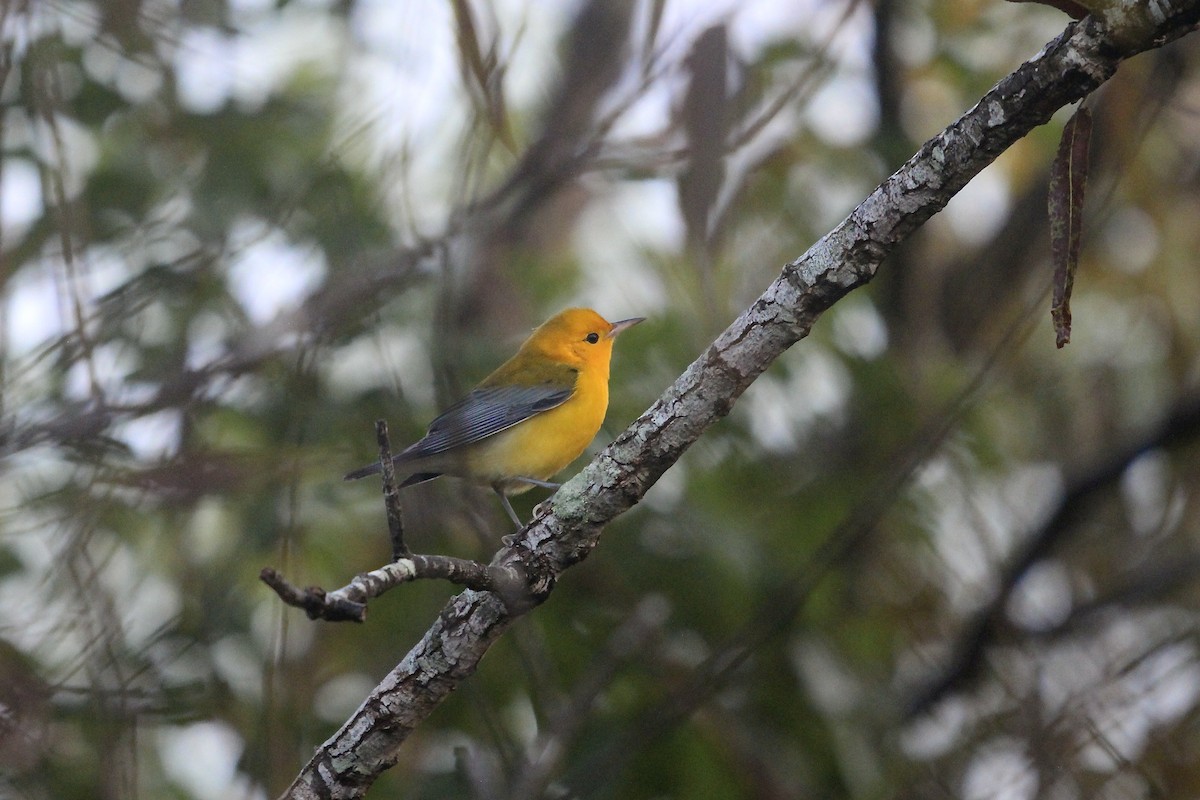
(541, 446)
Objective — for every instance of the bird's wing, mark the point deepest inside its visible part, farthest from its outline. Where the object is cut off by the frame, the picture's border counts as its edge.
(485, 412)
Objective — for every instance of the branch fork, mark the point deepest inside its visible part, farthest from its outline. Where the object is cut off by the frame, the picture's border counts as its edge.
(509, 576)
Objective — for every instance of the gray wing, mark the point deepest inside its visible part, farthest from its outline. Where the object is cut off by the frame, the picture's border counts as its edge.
(483, 413)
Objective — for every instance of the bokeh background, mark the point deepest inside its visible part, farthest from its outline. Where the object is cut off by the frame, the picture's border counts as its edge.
(233, 233)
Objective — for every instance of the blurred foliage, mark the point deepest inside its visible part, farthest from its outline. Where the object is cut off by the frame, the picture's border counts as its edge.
(233, 234)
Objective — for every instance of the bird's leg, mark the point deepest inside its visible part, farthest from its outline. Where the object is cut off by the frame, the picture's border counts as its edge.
(536, 482)
(508, 507)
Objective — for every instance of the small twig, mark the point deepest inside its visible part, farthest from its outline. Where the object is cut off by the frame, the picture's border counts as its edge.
(314, 600)
(1144, 586)
(391, 493)
(349, 603)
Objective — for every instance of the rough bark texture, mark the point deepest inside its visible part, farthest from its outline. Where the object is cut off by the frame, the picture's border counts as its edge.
(1067, 69)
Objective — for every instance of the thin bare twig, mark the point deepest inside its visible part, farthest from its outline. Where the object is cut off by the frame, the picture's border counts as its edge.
(349, 603)
(391, 494)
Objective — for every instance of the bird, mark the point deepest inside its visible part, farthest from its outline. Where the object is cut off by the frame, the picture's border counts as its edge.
(530, 418)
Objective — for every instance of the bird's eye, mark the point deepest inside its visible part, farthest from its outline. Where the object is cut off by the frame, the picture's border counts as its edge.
(592, 338)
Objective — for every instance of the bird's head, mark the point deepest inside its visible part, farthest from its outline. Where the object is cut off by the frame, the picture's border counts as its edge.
(579, 337)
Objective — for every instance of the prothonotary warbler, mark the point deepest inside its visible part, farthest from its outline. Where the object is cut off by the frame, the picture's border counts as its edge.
(527, 420)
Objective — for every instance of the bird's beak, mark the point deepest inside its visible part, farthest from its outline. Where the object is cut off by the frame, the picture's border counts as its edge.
(624, 324)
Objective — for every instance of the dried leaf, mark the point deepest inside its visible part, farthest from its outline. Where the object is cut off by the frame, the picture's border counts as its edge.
(1068, 180)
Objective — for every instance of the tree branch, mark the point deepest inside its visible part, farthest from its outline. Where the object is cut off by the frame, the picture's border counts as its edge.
(1067, 69)
(349, 603)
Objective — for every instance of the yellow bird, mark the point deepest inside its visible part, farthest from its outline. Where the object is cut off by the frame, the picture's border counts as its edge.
(527, 420)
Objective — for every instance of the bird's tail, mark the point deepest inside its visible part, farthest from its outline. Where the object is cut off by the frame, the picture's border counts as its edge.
(374, 469)
(369, 469)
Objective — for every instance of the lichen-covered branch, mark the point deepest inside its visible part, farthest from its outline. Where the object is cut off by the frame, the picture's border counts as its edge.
(1067, 69)
(349, 603)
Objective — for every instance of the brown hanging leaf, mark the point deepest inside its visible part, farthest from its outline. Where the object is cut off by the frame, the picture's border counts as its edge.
(1068, 180)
